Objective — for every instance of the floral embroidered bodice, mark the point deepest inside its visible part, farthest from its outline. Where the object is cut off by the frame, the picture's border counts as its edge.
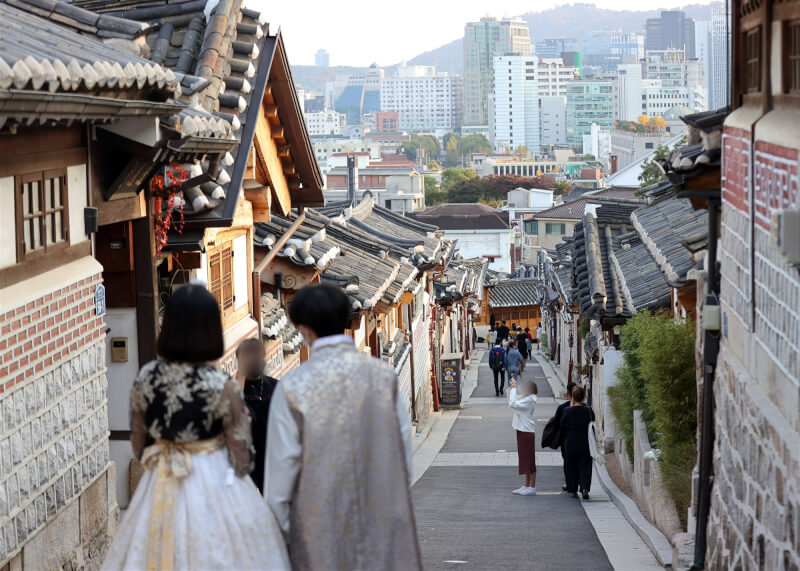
(187, 402)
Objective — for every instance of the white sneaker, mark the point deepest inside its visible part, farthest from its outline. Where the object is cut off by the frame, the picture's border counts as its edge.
(528, 492)
(519, 491)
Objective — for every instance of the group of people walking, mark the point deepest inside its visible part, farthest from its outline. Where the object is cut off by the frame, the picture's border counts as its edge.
(509, 350)
(211, 446)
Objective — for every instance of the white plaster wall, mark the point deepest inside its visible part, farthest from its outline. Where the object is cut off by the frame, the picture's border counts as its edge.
(241, 274)
(78, 200)
(486, 243)
(612, 360)
(8, 237)
(122, 323)
(121, 453)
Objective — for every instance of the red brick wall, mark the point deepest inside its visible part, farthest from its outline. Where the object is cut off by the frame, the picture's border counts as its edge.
(40, 333)
(736, 168)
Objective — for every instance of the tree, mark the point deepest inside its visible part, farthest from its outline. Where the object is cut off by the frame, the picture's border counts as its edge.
(658, 122)
(651, 172)
(644, 120)
(471, 144)
(433, 165)
(493, 188)
(449, 137)
(521, 152)
(451, 156)
(421, 147)
(433, 194)
(451, 176)
(561, 187)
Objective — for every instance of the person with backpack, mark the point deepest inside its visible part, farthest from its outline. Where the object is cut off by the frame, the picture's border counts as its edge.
(503, 333)
(497, 362)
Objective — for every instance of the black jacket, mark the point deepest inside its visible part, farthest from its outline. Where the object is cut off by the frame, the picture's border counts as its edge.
(257, 396)
(575, 428)
(502, 332)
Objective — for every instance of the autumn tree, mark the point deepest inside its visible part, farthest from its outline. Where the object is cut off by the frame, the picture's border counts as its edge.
(644, 120)
(451, 156)
(521, 152)
(472, 144)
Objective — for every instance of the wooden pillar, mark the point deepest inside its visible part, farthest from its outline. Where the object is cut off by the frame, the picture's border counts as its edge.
(146, 288)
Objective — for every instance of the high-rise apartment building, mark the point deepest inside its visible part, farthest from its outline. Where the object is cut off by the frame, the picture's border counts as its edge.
(482, 42)
(553, 76)
(702, 47)
(588, 102)
(516, 103)
(611, 47)
(322, 59)
(424, 101)
(719, 84)
(325, 122)
(671, 30)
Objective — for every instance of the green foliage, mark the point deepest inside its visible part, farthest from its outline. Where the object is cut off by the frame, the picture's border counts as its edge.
(651, 172)
(434, 166)
(453, 175)
(451, 156)
(658, 377)
(561, 187)
(492, 188)
(433, 195)
(583, 328)
(473, 144)
(543, 346)
(521, 152)
(421, 146)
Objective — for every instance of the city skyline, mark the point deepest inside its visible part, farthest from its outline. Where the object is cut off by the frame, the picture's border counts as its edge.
(409, 34)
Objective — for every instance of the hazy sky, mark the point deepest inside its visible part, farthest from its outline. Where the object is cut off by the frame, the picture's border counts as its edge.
(388, 31)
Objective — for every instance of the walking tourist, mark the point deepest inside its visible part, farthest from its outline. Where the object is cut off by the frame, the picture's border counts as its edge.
(339, 449)
(515, 364)
(557, 421)
(522, 343)
(194, 507)
(577, 458)
(529, 343)
(491, 337)
(497, 363)
(523, 401)
(503, 333)
(257, 388)
(539, 336)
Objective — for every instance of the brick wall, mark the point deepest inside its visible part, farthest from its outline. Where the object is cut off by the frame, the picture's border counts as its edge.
(755, 510)
(54, 460)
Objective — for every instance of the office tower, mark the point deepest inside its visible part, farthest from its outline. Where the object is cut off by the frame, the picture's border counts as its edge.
(516, 103)
(553, 76)
(553, 120)
(554, 47)
(702, 47)
(588, 102)
(719, 93)
(672, 30)
(322, 59)
(482, 42)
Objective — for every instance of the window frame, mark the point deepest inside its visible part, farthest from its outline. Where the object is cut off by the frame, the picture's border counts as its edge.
(225, 252)
(753, 60)
(21, 218)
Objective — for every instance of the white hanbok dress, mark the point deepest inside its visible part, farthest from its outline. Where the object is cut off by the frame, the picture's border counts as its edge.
(195, 507)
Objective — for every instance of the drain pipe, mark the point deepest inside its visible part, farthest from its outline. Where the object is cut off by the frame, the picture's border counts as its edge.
(262, 265)
(711, 338)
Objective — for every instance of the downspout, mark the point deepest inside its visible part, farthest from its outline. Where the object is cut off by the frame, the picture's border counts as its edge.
(710, 353)
(413, 372)
(262, 265)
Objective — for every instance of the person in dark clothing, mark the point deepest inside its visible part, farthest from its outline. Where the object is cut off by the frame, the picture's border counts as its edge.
(498, 363)
(522, 343)
(575, 421)
(257, 388)
(559, 413)
(502, 332)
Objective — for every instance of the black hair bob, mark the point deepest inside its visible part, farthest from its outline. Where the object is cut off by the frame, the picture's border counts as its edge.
(323, 308)
(192, 328)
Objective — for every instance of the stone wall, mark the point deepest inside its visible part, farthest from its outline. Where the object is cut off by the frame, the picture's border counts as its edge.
(755, 505)
(56, 482)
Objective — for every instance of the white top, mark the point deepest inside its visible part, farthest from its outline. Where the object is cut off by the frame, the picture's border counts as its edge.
(523, 411)
(492, 337)
(285, 449)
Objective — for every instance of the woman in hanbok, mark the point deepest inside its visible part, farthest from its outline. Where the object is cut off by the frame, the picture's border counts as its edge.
(195, 506)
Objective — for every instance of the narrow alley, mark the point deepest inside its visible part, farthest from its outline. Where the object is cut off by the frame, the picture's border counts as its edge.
(467, 517)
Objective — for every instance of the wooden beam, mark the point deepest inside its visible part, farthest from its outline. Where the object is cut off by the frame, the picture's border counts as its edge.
(271, 113)
(285, 152)
(267, 156)
(289, 169)
(261, 199)
(294, 185)
(277, 133)
(146, 288)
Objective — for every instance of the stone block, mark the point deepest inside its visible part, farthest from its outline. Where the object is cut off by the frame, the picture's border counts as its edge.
(94, 508)
(16, 563)
(135, 472)
(53, 544)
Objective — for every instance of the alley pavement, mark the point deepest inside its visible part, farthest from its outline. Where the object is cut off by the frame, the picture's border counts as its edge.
(467, 517)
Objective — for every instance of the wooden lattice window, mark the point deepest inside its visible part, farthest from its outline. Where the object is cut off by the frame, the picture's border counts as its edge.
(220, 274)
(753, 61)
(792, 55)
(42, 213)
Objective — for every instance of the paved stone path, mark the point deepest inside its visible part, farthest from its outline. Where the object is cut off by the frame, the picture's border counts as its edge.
(467, 517)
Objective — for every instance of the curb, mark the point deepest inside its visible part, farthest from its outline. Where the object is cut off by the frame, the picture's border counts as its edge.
(556, 373)
(655, 540)
(427, 429)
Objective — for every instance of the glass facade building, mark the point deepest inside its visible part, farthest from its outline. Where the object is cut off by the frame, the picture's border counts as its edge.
(588, 102)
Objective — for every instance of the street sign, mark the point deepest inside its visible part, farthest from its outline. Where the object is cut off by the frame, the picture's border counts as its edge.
(100, 301)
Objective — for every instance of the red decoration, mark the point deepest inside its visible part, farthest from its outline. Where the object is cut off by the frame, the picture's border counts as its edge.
(167, 188)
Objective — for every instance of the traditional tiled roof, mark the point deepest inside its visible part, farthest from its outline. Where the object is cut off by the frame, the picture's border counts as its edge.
(463, 217)
(276, 325)
(614, 193)
(572, 210)
(665, 227)
(596, 284)
(639, 277)
(38, 52)
(519, 292)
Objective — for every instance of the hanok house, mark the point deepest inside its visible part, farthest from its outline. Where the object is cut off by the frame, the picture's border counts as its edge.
(238, 140)
(57, 87)
(515, 301)
(383, 262)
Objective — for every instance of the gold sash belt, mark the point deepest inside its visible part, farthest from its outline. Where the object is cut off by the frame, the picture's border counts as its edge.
(173, 462)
